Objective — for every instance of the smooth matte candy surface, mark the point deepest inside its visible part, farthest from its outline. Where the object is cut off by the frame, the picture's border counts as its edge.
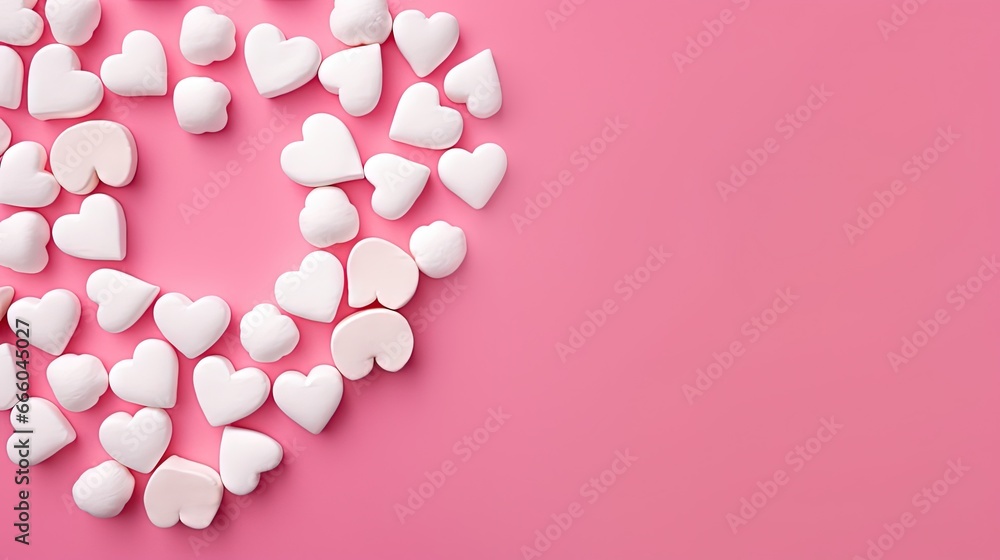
(94, 152)
(425, 41)
(314, 290)
(58, 88)
(24, 181)
(206, 36)
(379, 270)
(267, 335)
(192, 327)
(328, 218)
(278, 65)
(97, 233)
(103, 491)
(201, 105)
(310, 400)
(23, 238)
(438, 249)
(8, 376)
(373, 336)
(11, 78)
(73, 22)
(243, 455)
(183, 491)
(326, 155)
(149, 378)
(51, 320)
(121, 298)
(19, 24)
(398, 183)
(475, 176)
(139, 441)
(355, 76)
(77, 381)
(476, 83)
(227, 395)
(361, 22)
(421, 121)
(50, 432)
(140, 69)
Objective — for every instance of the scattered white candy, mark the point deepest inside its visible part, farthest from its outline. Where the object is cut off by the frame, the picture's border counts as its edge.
(97, 233)
(11, 78)
(438, 249)
(58, 88)
(377, 269)
(227, 395)
(328, 218)
(267, 335)
(94, 152)
(243, 455)
(19, 24)
(368, 337)
(361, 22)
(313, 291)
(149, 378)
(8, 376)
(103, 491)
(309, 401)
(206, 36)
(355, 75)
(192, 327)
(476, 83)
(183, 491)
(278, 66)
(425, 42)
(326, 155)
(473, 177)
(397, 181)
(201, 105)
(23, 238)
(77, 381)
(73, 21)
(23, 179)
(139, 441)
(121, 298)
(51, 320)
(50, 432)
(421, 121)
(141, 68)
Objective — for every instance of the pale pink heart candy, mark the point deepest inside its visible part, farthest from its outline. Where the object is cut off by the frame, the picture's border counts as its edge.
(183, 491)
(379, 270)
(368, 337)
(243, 456)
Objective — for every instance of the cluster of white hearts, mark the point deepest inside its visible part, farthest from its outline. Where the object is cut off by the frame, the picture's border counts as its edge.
(96, 152)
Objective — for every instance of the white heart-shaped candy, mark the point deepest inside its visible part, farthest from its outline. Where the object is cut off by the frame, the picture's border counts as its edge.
(184, 491)
(77, 381)
(361, 22)
(73, 21)
(267, 335)
(438, 249)
(9, 370)
(476, 83)
(243, 455)
(23, 179)
(201, 105)
(326, 155)
(23, 238)
(121, 298)
(149, 378)
(313, 291)
(19, 24)
(309, 401)
(94, 152)
(278, 66)
(328, 218)
(421, 121)
(48, 323)
(103, 491)
(397, 181)
(141, 68)
(368, 337)
(475, 176)
(227, 395)
(11, 78)
(97, 233)
(355, 75)
(379, 270)
(192, 327)
(50, 431)
(58, 88)
(425, 42)
(139, 441)
(206, 36)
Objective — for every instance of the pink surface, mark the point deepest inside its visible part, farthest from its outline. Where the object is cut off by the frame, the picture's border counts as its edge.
(804, 418)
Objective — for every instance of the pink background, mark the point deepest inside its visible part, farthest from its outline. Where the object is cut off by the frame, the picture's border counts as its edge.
(494, 346)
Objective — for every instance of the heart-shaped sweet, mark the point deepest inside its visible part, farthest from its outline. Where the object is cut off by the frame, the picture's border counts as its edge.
(368, 337)
(355, 75)
(328, 218)
(139, 441)
(77, 381)
(326, 155)
(425, 41)
(48, 323)
(267, 335)
(141, 68)
(361, 22)
(206, 36)
(73, 21)
(313, 291)
(421, 121)
(475, 176)
(243, 455)
(58, 88)
(19, 24)
(23, 179)
(94, 152)
(121, 298)
(309, 401)
(476, 83)
(201, 105)
(149, 378)
(43, 433)
(192, 327)
(278, 66)
(23, 238)
(227, 395)
(183, 491)
(11, 78)
(8, 376)
(398, 183)
(103, 491)
(97, 233)
(438, 249)
(379, 270)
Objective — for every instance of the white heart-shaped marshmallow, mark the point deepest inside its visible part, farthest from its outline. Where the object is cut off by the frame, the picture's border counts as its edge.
(184, 491)
(139, 441)
(476, 83)
(309, 401)
(355, 75)
(368, 337)
(267, 335)
(77, 381)
(48, 323)
(397, 181)
(23, 238)
(73, 21)
(141, 68)
(19, 24)
(58, 88)
(121, 298)
(475, 176)
(149, 378)
(9, 370)
(278, 66)
(43, 433)
(97, 233)
(192, 327)
(94, 152)
(103, 491)
(328, 218)
(379, 270)
(206, 36)
(201, 105)
(243, 455)
(11, 77)
(361, 22)
(421, 121)
(326, 155)
(438, 249)
(227, 395)
(23, 179)
(425, 42)
(313, 291)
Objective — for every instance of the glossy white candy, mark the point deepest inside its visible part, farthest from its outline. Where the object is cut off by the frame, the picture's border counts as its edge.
(314, 290)
(23, 179)
(438, 249)
(355, 75)
(52, 319)
(192, 327)
(50, 432)
(206, 36)
(201, 105)
(141, 68)
(97, 233)
(11, 78)
(278, 66)
(149, 378)
(310, 401)
(326, 155)
(397, 181)
(8, 375)
(73, 22)
(328, 218)
(139, 441)
(227, 395)
(183, 491)
(23, 238)
(476, 83)
(368, 337)
(361, 22)
(421, 121)
(377, 269)
(94, 152)
(103, 491)
(77, 381)
(425, 42)
(58, 88)
(267, 335)
(475, 176)
(19, 24)
(243, 455)
(121, 298)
